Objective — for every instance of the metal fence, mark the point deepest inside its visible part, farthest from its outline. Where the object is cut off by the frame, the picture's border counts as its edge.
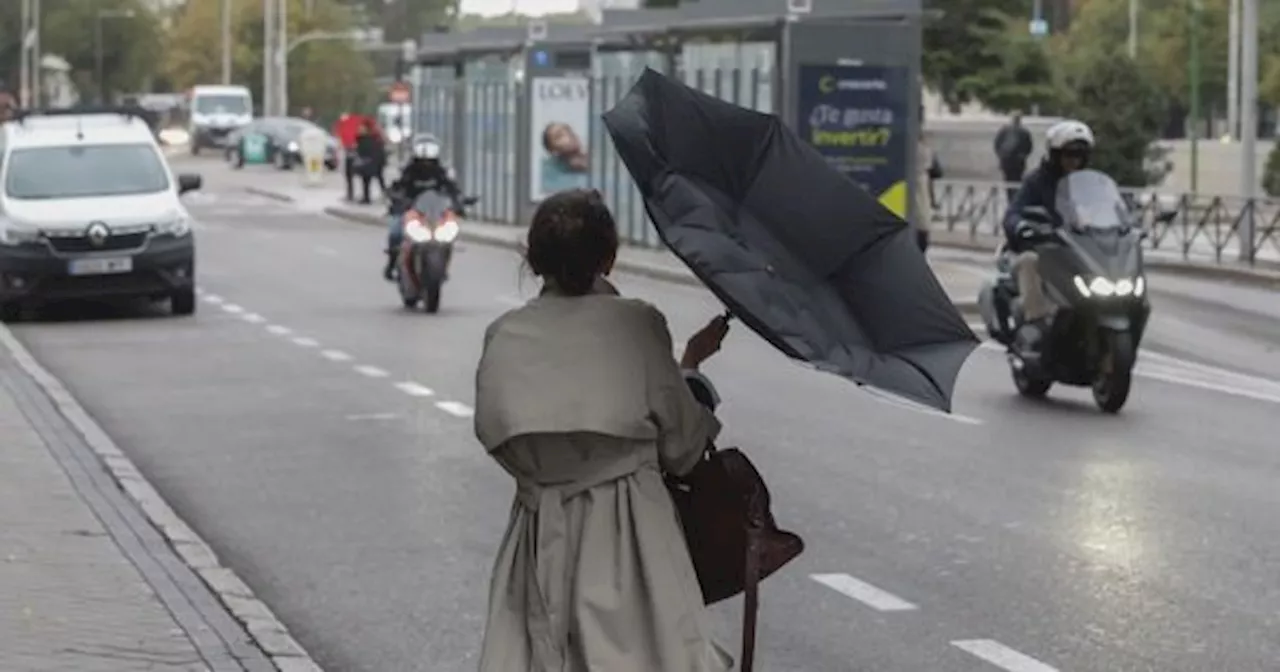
(490, 136)
(1198, 227)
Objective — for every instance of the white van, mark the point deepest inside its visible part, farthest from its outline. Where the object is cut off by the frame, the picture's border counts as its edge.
(217, 111)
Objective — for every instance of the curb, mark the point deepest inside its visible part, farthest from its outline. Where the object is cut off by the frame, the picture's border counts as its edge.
(262, 626)
(677, 276)
(1252, 276)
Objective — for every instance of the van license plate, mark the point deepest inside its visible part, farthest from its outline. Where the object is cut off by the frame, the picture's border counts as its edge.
(100, 266)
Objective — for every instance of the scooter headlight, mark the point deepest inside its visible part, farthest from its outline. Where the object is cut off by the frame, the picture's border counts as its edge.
(1102, 287)
(447, 232)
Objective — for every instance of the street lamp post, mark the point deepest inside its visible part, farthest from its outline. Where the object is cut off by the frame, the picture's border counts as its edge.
(1193, 75)
(104, 14)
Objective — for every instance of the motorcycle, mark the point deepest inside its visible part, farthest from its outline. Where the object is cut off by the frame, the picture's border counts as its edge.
(1092, 269)
(430, 227)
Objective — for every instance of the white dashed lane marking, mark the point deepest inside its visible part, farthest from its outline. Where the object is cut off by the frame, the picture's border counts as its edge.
(253, 318)
(305, 342)
(371, 371)
(279, 330)
(336, 356)
(455, 408)
(414, 390)
(1001, 656)
(212, 298)
(232, 308)
(863, 592)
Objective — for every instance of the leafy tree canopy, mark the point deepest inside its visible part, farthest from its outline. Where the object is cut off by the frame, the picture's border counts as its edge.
(131, 45)
(1125, 109)
(977, 51)
(330, 76)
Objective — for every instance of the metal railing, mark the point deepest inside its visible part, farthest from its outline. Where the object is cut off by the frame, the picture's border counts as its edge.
(1196, 227)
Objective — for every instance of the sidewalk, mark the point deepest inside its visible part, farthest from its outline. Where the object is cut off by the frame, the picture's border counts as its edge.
(87, 581)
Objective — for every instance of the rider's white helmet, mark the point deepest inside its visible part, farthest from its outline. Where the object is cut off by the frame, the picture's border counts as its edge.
(1064, 133)
(426, 150)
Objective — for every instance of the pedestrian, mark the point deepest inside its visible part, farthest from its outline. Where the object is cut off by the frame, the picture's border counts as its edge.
(580, 399)
(346, 130)
(1013, 147)
(926, 167)
(371, 160)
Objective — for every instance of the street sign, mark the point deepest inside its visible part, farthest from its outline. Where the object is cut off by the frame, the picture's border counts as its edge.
(312, 145)
(400, 93)
(1039, 27)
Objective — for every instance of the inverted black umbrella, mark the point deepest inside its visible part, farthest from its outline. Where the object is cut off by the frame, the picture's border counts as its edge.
(797, 251)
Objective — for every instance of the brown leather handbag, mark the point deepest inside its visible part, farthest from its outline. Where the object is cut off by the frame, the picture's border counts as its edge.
(724, 509)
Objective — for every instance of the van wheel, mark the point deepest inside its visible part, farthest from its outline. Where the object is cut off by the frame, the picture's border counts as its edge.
(183, 302)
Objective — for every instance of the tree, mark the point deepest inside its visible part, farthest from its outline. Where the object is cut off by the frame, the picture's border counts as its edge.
(330, 75)
(1015, 71)
(977, 51)
(131, 45)
(1125, 109)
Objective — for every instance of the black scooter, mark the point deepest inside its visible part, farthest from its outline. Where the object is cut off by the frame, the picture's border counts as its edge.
(1092, 269)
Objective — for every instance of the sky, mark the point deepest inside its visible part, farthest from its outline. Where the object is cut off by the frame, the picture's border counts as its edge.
(531, 7)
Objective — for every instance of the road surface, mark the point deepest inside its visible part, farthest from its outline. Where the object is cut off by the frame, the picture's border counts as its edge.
(319, 437)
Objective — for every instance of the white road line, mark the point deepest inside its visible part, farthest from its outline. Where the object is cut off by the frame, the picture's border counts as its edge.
(1001, 656)
(414, 390)
(279, 330)
(305, 342)
(373, 416)
(253, 318)
(232, 308)
(336, 356)
(863, 592)
(371, 371)
(457, 408)
(212, 298)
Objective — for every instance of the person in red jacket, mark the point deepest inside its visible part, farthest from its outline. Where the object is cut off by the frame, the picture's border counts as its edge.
(347, 129)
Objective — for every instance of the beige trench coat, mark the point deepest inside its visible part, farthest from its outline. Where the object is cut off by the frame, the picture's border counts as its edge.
(581, 400)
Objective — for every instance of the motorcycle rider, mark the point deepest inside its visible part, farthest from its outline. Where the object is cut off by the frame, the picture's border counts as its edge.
(423, 171)
(1069, 144)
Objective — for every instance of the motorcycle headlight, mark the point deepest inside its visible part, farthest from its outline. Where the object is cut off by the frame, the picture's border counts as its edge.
(447, 232)
(1102, 287)
(177, 226)
(11, 236)
(416, 232)
(1140, 286)
(293, 146)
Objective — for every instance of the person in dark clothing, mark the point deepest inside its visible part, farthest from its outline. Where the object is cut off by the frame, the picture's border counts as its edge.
(372, 157)
(1013, 146)
(1069, 144)
(423, 171)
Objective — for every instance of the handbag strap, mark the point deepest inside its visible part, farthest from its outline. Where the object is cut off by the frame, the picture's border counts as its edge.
(750, 603)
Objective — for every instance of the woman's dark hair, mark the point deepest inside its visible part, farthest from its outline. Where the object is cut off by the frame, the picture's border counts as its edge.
(572, 239)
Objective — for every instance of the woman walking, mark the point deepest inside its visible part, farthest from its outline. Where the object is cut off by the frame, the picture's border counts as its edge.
(580, 399)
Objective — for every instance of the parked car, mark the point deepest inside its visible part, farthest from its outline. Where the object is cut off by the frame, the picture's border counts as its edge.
(282, 135)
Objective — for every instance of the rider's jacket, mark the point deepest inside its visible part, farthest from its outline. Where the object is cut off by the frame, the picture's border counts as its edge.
(421, 174)
(1038, 188)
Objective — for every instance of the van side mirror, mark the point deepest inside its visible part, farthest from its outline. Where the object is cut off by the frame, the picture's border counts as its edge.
(189, 182)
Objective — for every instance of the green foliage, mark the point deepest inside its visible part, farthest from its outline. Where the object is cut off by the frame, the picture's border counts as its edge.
(131, 46)
(1271, 174)
(1118, 100)
(1014, 72)
(329, 76)
(978, 51)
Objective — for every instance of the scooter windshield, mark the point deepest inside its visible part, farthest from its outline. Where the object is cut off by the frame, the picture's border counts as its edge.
(1089, 199)
(432, 204)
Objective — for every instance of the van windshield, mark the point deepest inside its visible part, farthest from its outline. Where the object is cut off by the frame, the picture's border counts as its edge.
(84, 171)
(226, 103)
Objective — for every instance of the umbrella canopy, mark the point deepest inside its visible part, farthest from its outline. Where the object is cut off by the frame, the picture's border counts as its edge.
(799, 253)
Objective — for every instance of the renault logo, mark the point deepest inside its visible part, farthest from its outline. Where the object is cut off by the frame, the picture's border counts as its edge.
(98, 234)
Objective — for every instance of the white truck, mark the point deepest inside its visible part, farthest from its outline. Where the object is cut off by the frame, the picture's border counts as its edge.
(216, 111)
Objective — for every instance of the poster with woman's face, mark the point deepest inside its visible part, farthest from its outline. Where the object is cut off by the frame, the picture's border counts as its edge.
(560, 116)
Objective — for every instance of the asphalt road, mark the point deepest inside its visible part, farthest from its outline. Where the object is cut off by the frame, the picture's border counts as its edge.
(318, 437)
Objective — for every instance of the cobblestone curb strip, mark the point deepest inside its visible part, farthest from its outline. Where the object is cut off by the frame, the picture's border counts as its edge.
(233, 630)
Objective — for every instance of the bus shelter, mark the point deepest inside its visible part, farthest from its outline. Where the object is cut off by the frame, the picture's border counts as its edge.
(523, 106)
